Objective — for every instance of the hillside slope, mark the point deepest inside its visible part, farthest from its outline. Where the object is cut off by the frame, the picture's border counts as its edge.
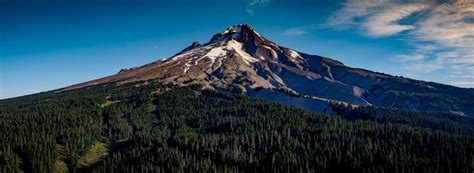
(241, 60)
(150, 127)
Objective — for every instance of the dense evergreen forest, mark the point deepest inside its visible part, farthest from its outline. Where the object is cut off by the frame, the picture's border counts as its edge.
(442, 121)
(150, 127)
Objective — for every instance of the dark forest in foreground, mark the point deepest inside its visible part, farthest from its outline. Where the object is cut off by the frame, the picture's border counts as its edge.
(162, 128)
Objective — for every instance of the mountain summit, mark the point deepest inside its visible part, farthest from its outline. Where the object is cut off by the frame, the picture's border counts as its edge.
(241, 60)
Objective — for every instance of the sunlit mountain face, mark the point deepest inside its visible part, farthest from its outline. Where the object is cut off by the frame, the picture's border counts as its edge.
(241, 60)
(237, 86)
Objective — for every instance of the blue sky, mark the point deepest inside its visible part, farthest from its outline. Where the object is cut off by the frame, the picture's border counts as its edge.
(51, 44)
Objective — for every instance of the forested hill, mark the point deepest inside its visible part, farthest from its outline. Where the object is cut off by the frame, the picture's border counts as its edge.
(149, 127)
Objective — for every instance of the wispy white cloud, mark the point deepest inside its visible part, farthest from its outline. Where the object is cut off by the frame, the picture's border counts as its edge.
(409, 58)
(296, 31)
(377, 17)
(250, 9)
(441, 33)
(353, 10)
(300, 30)
(385, 22)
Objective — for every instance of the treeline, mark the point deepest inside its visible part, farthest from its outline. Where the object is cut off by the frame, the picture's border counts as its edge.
(405, 93)
(442, 121)
(162, 128)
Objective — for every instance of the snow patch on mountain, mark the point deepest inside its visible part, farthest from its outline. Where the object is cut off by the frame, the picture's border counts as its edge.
(215, 53)
(190, 52)
(294, 54)
(273, 52)
(237, 46)
(232, 29)
(186, 67)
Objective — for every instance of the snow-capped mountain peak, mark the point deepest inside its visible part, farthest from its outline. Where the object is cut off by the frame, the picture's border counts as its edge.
(239, 59)
(242, 33)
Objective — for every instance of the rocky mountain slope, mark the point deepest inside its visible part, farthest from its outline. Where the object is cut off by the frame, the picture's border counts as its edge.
(241, 60)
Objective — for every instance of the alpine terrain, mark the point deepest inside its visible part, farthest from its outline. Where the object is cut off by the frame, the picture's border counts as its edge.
(241, 60)
(201, 111)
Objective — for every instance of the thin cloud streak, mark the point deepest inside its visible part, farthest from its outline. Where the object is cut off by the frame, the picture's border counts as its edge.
(442, 34)
(300, 30)
(250, 9)
(409, 58)
(385, 22)
(295, 31)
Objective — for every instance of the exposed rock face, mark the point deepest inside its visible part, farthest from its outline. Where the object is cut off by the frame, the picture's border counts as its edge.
(241, 59)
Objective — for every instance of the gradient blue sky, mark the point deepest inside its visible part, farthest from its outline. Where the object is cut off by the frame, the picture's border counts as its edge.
(51, 44)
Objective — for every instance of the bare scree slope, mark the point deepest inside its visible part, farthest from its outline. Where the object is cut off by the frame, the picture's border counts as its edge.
(239, 59)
